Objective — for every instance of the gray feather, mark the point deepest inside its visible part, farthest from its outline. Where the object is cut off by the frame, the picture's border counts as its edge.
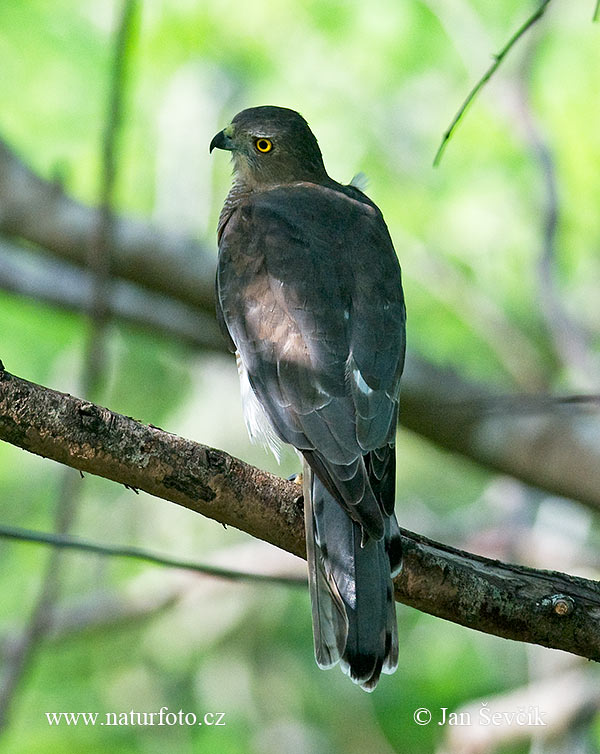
(309, 294)
(354, 617)
(330, 624)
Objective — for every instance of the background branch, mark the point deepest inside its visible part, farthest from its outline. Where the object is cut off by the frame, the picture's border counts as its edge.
(562, 699)
(98, 259)
(498, 58)
(543, 607)
(41, 213)
(490, 389)
(29, 273)
(554, 451)
(68, 542)
(571, 343)
(545, 449)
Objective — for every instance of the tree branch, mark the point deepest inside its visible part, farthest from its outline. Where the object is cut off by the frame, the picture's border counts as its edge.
(60, 284)
(93, 439)
(41, 212)
(552, 451)
(498, 58)
(69, 542)
(542, 440)
(539, 439)
(98, 257)
(570, 341)
(541, 607)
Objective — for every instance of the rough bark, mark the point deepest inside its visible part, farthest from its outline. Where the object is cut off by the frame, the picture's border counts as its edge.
(551, 449)
(532, 438)
(511, 601)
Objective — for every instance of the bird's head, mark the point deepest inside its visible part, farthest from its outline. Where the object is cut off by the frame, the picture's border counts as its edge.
(271, 146)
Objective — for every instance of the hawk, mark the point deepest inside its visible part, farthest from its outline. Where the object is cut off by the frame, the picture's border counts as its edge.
(309, 297)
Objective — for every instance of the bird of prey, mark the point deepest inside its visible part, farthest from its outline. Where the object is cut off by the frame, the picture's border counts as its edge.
(309, 297)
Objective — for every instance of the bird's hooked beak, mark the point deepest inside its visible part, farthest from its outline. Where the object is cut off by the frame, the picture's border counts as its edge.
(222, 140)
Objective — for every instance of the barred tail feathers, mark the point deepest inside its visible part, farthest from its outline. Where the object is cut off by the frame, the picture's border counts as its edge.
(354, 616)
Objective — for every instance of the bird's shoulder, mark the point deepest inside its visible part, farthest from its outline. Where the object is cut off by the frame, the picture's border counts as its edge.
(343, 209)
(304, 198)
(313, 236)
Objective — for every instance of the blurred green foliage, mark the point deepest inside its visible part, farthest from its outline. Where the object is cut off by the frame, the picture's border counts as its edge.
(379, 83)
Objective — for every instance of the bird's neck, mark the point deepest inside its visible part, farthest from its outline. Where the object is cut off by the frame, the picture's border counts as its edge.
(237, 193)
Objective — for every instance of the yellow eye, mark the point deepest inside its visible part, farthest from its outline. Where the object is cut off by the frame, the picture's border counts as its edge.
(263, 145)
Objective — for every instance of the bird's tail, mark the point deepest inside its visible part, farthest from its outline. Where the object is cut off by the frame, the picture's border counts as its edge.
(351, 590)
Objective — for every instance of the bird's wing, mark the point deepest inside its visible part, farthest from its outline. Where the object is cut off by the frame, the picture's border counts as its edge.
(309, 288)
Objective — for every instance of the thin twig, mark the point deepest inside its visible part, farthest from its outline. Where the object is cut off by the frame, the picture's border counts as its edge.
(39, 619)
(66, 541)
(487, 76)
(596, 11)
